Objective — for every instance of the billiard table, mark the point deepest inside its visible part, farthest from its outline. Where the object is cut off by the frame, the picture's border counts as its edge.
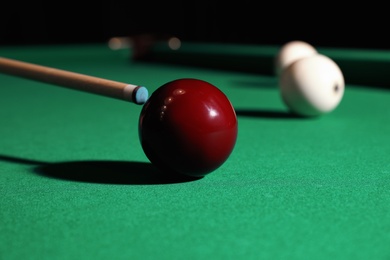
(76, 184)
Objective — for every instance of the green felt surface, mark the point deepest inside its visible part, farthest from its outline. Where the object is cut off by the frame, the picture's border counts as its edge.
(75, 183)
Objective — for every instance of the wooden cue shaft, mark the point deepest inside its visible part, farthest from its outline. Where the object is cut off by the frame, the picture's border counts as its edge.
(104, 87)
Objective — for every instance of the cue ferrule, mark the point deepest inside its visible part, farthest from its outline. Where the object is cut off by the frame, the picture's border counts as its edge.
(104, 87)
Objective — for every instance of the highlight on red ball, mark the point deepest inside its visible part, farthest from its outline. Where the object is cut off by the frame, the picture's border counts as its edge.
(188, 126)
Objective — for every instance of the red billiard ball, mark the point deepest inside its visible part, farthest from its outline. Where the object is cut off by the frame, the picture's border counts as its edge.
(188, 126)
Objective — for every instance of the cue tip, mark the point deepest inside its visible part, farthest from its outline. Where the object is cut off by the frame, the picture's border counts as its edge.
(140, 95)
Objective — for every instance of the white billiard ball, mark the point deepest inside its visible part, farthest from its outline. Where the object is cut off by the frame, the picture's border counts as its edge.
(312, 86)
(290, 52)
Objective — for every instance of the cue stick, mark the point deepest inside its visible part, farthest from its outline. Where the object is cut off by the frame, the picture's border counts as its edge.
(128, 92)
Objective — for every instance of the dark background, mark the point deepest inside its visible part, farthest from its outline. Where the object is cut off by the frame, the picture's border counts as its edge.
(319, 23)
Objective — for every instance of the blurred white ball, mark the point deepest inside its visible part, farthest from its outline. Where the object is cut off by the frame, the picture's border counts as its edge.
(290, 52)
(312, 86)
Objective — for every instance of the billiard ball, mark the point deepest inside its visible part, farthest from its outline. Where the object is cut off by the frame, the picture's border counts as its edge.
(312, 86)
(290, 52)
(188, 126)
